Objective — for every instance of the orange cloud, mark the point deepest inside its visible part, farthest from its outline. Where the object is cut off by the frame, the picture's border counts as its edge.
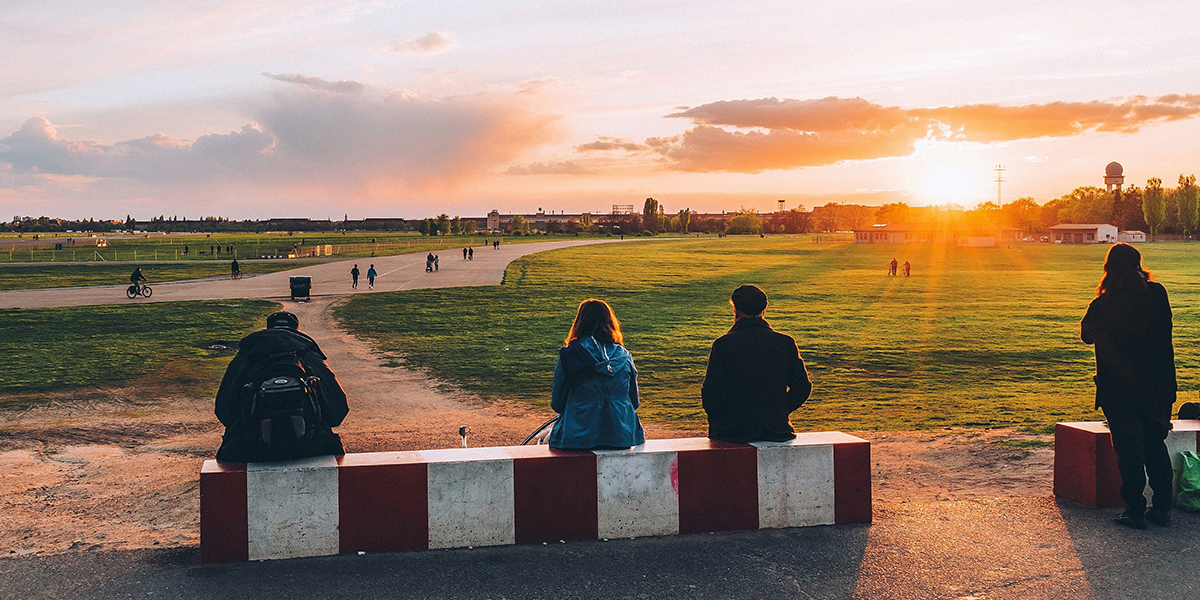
(806, 133)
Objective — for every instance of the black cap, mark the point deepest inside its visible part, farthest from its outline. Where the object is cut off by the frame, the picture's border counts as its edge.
(283, 319)
(749, 300)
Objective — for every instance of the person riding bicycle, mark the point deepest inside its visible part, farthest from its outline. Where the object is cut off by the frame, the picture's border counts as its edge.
(136, 278)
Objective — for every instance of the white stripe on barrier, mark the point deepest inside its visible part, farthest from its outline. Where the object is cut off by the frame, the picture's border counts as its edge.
(637, 492)
(795, 484)
(470, 498)
(1177, 442)
(292, 508)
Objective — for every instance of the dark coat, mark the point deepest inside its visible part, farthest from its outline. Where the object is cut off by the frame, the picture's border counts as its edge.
(238, 444)
(1135, 358)
(595, 392)
(755, 379)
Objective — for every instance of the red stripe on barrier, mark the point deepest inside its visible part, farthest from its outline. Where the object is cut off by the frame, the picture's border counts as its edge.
(1107, 475)
(224, 529)
(383, 502)
(718, 488)
(852, 482)
(554, 495)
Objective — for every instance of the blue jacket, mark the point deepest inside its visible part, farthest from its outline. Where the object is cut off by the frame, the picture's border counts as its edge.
(595, 393)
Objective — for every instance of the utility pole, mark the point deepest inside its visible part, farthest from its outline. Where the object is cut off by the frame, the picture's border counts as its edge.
(999, 181)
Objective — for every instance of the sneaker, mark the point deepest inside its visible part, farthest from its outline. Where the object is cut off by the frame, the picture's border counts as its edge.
(1162, 518)
(1133, 521)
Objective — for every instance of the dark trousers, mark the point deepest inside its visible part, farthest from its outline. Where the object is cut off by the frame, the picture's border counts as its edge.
(1138, 437)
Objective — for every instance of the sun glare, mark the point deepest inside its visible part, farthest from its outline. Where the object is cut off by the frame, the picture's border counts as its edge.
(951, 183)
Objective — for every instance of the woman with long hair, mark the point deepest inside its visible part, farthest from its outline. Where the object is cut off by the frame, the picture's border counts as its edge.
(1130, 324)
(595, 388)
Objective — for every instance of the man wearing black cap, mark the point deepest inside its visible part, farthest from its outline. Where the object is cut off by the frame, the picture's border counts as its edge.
(278, 399)
(755, 376)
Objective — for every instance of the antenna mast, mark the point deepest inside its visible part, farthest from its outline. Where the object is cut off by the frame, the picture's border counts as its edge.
(999, 181)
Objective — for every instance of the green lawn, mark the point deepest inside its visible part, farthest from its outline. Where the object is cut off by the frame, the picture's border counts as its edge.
(27, 277)
(202, 247)
(163, 344)
(976, 337)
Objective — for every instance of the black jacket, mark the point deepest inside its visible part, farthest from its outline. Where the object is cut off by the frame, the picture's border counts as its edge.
(1135, 358)
(755, 379)
(238, 444)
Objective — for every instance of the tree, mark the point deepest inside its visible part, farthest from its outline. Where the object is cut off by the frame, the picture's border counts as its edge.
(895, 212)
(685, 219)
(1023, 213)
(456, 225)
(425, 226)
(518, 225)
(1154, 206)
(1088, 204)
(1187, 197)
(746, 221)
(130, 223)
(443, 224)
(650, 211)
(1127, 209)
(469, 226)
(585, 222)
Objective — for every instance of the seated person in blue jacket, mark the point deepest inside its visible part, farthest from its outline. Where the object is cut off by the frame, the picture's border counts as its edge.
(595, 388)
(755, 376)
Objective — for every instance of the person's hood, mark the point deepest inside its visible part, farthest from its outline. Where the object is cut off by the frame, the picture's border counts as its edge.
(589, 356)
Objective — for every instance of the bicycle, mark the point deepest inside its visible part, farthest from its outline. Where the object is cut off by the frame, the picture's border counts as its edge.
(136, 290)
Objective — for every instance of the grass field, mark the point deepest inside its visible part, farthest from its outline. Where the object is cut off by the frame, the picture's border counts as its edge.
(37, 276)
(168, 343)
(978, 337)
(202, 247)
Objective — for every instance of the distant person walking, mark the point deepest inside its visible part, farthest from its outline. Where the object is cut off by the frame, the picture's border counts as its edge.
(429, 263)
(235, 270)
(755, 377)
(354, 278)
(1129, 322)
(437, 262)
(907, 268)
(892, 268)
(496, 245)
(470, 254)
(595, 391)
(371, 275)
(464, 253)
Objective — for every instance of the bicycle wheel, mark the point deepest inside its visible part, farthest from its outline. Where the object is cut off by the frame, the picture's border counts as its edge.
(131, 292)
(146, 291)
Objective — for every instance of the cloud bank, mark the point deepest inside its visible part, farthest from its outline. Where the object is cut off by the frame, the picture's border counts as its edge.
(430, 43)
(749, 136)
(327, 134)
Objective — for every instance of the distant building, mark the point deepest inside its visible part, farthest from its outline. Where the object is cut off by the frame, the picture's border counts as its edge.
(1114, 176)
(1131, 236)
(1084, 233)
(906, 233)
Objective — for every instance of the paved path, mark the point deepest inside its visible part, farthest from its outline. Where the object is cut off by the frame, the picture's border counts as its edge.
(1016, 548)
(399, 272)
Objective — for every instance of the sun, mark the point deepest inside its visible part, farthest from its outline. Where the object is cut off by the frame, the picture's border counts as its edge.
(951, 183)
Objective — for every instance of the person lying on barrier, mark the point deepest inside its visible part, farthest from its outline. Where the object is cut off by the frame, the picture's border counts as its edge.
(755, 376)
(278, 399)
(595, 389)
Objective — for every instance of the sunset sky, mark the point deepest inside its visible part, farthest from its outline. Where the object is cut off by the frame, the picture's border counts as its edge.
(318, 109)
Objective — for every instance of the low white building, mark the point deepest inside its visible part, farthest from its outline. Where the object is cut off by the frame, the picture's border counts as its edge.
(1131, 236)
(1083, 233)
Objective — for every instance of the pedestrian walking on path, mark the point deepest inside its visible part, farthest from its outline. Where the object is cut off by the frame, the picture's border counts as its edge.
(470, 254)
(464, 254)
(354, 278)
(437, 260)
(371, 275)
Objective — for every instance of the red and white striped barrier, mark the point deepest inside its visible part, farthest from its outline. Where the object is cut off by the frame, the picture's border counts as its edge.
(1085, 466)
(453, 498)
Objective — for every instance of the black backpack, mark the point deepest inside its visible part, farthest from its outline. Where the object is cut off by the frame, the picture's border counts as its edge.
(1189, 410)
(280, 404)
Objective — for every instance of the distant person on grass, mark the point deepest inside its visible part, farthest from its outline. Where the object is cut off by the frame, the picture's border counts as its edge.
(1130, 324)
(371, 275)
(892, 268)
(595, 391)
(755, 377)
(907, 268)
(278, 399)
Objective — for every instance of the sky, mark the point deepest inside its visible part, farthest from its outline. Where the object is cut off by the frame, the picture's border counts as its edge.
(297, 108)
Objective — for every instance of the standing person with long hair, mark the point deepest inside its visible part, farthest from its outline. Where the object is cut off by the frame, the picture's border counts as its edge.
(595, 389)
(1130, 324)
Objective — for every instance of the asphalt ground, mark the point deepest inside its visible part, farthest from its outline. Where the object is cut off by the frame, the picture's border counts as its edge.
(1026, 548)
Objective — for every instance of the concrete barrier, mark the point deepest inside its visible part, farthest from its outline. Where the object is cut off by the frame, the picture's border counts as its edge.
(386, 501)
(1085, 466)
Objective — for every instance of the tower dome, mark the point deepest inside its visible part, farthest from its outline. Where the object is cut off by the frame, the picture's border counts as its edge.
(1113, 169)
